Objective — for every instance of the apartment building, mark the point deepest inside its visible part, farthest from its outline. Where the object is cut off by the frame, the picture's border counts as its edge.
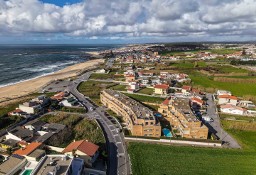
(139, 119)
(181, 117)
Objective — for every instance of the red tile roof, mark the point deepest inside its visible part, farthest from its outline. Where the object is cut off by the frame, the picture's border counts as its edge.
(15, 111)
(130, 76)
(166, 101)
(197, 100)
(228, 96)
(187, 88)
(161, 86)
(82, 145)
(58, 96)
(228, 106)
(28, 149)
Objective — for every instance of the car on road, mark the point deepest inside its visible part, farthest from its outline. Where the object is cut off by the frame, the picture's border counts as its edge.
(92, 108)
(207, 119)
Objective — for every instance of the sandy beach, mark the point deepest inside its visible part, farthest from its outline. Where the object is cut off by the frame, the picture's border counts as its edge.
(30, 86)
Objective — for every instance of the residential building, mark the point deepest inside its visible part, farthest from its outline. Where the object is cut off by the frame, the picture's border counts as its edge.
(35, 125)
(129, 78)
(84, 150)
(31, 107)
(164, 75)
(197, 101)
(20, 134)
(17, 112)
(54, 165)
(161, 89)
(182, 119)
(145, 82)
(8, 144)
(69, 102)
(223, 92)
(232, 109)
(186, 90)
(246, 104)
(139, 119)
(31, 151)
(13, 165)
(59, 96)
(133, 87)
(227, 99)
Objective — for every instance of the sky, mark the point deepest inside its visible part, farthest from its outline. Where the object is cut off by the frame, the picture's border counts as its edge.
(126, 21)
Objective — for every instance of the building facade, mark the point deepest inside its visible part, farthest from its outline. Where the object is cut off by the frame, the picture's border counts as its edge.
(178, 112)
(139, 119)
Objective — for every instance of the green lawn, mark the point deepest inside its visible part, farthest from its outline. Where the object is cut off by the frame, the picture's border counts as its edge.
(142, 98)
(92, 89)
(79, 127)
(148, 91)
(156, 159)
(119, 87)
(222, 51)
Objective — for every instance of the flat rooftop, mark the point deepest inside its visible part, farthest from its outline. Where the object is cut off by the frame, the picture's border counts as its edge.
(140, 110)
(182, 105)
(58, 164)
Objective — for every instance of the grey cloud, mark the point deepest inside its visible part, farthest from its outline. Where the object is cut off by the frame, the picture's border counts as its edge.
(121, 18)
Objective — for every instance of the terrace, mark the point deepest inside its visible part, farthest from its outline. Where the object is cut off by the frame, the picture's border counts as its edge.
(140, 111)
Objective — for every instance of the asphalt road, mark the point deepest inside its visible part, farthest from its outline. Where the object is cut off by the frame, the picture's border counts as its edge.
(215, 126)
(118, 159)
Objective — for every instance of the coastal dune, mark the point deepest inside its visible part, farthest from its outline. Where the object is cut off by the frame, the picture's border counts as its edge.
(33, 85)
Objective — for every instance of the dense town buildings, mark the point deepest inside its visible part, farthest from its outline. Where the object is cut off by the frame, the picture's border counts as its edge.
(139, 119)
(182, 119)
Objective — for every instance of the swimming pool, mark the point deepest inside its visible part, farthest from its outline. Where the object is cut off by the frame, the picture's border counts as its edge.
(27, 172)
(167, 132)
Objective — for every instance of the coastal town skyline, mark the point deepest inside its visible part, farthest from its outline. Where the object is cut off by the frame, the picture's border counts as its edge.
(87, 22)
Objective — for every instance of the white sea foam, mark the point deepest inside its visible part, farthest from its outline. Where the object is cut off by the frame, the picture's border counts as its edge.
(37, 69)
(24, 80)
(53, 67)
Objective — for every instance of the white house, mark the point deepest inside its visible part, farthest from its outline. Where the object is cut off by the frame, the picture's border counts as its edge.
(30, 107)
(223, 92)
(232, 109)
(227, 99)
(246, 104)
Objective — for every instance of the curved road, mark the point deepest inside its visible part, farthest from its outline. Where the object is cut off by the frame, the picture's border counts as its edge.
(118, 159)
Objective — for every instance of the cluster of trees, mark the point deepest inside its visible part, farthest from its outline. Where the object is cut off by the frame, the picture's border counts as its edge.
(235, 80)
(239, 62)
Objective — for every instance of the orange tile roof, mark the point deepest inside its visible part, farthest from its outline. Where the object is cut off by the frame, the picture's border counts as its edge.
(188, 88)
(228, 96)
(28, 149)
(166, 101)
(197, 100)
(228, 106)
(161, 86)
(83, 146)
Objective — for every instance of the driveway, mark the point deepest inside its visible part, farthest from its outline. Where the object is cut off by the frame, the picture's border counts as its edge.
(215, 126)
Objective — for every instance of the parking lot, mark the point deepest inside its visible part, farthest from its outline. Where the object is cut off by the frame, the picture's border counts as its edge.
(56, 86)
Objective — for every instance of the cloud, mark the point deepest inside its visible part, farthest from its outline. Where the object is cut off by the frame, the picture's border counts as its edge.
(117, 19)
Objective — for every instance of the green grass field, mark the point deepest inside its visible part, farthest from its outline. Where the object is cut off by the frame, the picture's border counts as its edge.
(213, 51)
(92, 89)
(239, 89)
(142, 98)
(148, 91)
(149, 159)
(119, 87)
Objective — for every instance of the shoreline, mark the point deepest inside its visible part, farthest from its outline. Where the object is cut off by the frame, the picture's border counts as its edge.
(26, 87)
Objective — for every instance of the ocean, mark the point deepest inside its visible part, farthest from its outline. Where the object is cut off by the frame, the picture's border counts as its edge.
(23, 62)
